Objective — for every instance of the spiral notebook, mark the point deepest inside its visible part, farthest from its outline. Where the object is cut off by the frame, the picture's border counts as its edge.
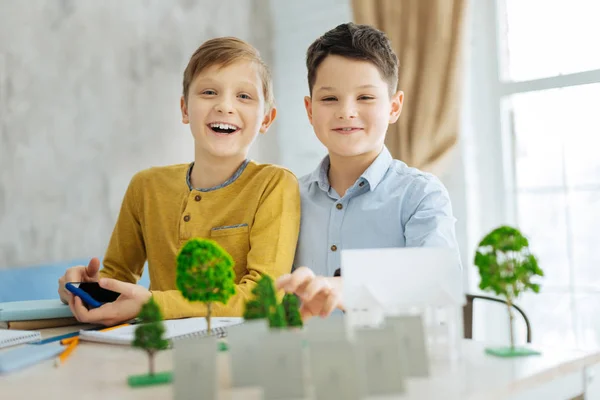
(14, 337)
(174, 329)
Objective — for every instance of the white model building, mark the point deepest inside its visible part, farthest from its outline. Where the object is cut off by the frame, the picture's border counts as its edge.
(406, 281)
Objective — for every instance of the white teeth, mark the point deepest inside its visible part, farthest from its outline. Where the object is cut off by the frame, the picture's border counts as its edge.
(223, 126)
(346, 129)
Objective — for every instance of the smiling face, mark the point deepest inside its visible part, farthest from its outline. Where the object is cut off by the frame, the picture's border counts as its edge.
(351, 108)
(226, 109)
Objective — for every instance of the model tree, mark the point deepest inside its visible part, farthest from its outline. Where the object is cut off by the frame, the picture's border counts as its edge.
(205, 274)
(507, 268)
(265, 305)
(291, 305)
(149, 335)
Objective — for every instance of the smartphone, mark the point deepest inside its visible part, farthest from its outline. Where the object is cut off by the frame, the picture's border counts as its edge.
(91, 293)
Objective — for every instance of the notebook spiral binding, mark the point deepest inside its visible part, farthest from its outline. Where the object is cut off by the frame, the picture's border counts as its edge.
(25, 338)
(220, 333)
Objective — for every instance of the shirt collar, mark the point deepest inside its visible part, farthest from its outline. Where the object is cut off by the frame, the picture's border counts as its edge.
(373, 175)
(319, 175)
(378, 168)
(188, 178)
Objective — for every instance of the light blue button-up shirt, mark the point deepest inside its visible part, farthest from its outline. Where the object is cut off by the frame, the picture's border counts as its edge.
(390, 205)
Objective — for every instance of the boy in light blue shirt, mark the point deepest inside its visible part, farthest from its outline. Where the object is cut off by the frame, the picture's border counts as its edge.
(359, 196)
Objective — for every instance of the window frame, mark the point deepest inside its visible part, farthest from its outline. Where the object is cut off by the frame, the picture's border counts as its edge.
(490, 164)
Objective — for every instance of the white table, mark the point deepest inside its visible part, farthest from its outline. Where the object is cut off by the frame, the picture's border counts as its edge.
(96, 371)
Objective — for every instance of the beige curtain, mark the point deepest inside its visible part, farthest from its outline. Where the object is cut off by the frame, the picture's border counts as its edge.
(427, 36)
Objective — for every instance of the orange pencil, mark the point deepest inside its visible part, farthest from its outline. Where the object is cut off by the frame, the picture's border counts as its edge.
(63, 356)
(69, 340)
(74, 341)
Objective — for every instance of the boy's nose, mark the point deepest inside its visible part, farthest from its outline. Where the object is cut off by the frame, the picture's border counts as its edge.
(346, 113)
(224, 108)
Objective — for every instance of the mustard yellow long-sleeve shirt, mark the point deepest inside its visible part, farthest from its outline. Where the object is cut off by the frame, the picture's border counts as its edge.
(255, 216)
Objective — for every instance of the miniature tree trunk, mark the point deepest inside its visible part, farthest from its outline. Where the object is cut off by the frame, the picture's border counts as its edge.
(208, 312)
(511, 318)
(151, 354)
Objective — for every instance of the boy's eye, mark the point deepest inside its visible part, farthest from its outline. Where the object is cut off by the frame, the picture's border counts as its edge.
(209, 92)
(244, 96)
(329, 99)
(366, 98)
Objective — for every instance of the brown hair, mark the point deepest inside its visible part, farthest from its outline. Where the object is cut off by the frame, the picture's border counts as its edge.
(224, 51)
(359, 42)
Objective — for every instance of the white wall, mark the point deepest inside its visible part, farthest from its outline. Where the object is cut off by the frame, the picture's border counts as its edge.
(296, 25)
(89, 94)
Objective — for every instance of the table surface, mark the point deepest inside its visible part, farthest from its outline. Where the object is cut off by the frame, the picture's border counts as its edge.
(99, 371)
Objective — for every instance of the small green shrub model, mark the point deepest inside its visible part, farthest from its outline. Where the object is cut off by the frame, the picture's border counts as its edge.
(264, 306)
(149, 335)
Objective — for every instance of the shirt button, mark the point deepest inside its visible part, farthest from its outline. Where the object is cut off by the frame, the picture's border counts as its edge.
(186, 218)
(339, 206)
(197, 198)
(334, 248)
(361, 184)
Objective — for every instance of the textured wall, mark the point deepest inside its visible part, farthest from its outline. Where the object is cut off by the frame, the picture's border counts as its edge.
(89, 94)
(296, 25)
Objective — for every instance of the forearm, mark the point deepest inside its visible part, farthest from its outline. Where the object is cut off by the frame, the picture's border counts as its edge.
(173, 305)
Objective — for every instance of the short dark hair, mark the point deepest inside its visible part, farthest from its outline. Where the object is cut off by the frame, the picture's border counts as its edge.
(359, 42)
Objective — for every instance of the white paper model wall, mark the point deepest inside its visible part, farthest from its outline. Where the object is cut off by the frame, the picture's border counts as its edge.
(444, 331)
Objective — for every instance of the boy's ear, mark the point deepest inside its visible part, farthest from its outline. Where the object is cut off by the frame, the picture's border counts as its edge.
(308, 106)
(184, 111)
(268, 120)
(396, 109)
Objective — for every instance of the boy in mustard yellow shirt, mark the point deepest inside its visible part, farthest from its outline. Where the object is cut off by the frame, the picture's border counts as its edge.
(252, 210)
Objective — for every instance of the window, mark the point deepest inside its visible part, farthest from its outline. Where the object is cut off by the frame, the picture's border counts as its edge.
(549, 88)
(546, 38)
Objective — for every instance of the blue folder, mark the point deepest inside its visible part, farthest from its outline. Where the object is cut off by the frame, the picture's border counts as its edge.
(22, 357)
(34, 309)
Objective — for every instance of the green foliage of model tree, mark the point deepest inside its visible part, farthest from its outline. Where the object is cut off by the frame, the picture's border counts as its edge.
(507, 267)
(291, 305)
(264, 305)
(149, 335)
(205, 274)
(265, 292)
(264, 299)
(277, 317)
(255, 310)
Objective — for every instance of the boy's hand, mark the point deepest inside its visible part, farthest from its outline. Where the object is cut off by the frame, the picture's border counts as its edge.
(79, 273)
(126, 307)
(319, 295)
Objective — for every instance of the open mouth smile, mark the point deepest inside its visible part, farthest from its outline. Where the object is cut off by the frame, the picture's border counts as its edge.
(223, 128)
